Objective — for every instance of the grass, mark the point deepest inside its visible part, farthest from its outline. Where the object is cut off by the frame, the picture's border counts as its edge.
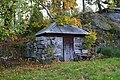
(104, 69)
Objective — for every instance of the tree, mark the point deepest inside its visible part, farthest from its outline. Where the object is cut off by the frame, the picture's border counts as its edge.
(61, 11)
(112, 3)
(6, 11)
(99, 6)
(61, 7)
(9, 16)
(83, 5)
(96, 2)
(66, 20)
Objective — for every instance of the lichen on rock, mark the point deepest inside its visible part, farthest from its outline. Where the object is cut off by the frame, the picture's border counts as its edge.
(101, 22)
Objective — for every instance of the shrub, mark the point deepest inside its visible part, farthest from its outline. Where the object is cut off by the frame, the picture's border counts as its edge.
(107, 51)
(12, 50)
(90, 40)
(110, 52)
(116, 52)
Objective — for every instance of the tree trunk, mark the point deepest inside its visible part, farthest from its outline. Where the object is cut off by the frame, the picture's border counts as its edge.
(83, 5)
(99, 6)
(14, 18)
(19, 12)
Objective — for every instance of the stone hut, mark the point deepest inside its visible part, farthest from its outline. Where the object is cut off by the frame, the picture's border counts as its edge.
(63, 41)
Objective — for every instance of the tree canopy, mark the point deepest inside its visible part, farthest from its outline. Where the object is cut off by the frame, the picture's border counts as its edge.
(24, 16)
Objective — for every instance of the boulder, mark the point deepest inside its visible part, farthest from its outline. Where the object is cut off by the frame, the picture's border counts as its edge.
(101, 22)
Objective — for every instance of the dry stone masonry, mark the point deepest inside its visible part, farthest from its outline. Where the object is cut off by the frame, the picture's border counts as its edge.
(49, 48)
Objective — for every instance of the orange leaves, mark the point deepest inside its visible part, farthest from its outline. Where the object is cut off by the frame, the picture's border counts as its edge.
(60, 6)
(68, 6)
(72, 4)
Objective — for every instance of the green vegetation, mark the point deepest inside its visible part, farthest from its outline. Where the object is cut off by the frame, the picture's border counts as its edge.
(25, 16)
(110, 52)
(103, 69)
(90, 40)
(21, 19)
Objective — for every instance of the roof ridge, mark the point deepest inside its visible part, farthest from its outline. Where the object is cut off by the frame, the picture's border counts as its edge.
(52, 25)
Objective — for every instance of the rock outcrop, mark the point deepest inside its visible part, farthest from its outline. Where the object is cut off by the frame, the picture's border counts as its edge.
(107, 21)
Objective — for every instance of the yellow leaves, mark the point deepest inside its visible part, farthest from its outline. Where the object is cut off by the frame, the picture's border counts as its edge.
(61, 21)
(90, 40)
(73, 4)
(75, 22)
(64, 20)
(93, 35)
(67, 18)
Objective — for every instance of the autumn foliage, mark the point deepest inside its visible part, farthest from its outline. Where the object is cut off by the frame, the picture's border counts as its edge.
(65, 20)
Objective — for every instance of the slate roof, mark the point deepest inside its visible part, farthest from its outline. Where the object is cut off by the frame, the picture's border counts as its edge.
(55, 29)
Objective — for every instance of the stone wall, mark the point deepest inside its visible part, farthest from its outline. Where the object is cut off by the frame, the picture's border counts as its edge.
(49, 48)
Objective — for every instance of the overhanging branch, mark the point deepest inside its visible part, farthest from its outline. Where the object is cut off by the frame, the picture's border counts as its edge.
(47, 12)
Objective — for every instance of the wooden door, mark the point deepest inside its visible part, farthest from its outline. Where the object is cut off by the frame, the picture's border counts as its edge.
(68, 48)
